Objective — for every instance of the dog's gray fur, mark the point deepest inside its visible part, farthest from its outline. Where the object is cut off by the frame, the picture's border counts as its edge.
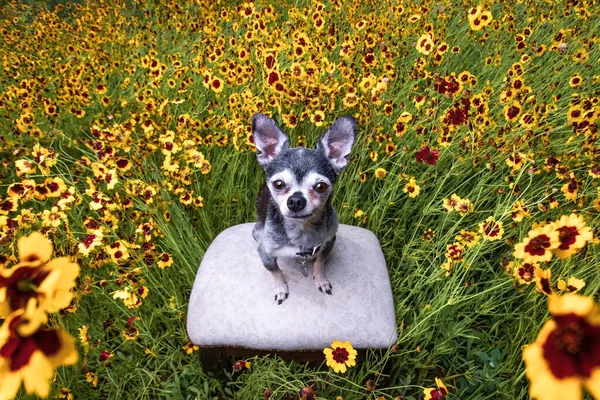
(293, 207)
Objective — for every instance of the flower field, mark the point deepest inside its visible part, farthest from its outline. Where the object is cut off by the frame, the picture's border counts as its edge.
(126, 147)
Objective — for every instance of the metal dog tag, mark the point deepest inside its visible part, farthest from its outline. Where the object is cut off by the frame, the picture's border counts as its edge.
(303, 267)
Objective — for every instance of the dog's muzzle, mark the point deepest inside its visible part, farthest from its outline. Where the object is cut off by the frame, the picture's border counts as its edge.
(296, 202)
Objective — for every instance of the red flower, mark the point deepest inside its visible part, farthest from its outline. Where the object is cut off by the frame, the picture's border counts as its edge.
(105, 355)
(428, 156)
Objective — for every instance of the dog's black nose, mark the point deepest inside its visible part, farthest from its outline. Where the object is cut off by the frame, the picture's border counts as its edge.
(296, 202)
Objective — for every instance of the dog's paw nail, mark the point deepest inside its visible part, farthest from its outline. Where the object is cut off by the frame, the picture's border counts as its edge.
(328, 292)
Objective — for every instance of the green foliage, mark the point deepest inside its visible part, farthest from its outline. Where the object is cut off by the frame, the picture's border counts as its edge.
(467, 327)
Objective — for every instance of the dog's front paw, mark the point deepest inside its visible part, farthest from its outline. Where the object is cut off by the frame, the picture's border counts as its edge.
(323, 285)
(281, 293)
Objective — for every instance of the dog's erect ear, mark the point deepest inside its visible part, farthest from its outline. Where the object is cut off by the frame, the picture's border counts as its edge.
(268, 138)
(337, 141)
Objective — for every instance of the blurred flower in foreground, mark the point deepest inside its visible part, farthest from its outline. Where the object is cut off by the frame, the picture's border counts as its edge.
(340, 355)
(435, 394)
(566, 354)
(29, 357)
(37, 279)
(35, 286)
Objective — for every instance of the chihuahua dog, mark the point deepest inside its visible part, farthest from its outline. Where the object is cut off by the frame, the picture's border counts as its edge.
(295, 216)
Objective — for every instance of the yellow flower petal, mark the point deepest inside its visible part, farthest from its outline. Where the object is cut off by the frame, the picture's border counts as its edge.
(571, 304)
(592, 384)
(37, 375)
(67, 354)
(10, 382)
(35, 248)
(69, 271)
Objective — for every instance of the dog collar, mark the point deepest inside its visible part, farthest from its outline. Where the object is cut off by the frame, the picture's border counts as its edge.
(308, 252)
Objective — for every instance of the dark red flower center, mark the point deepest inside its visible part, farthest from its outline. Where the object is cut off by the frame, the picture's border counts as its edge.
(526, 272)
(538, 245)
(567, 236)
(22, 285)
(513, 111)
(53, 186)
(340, 355)
(573, 348)
(491, 229)
(89, 239)
(20, 349)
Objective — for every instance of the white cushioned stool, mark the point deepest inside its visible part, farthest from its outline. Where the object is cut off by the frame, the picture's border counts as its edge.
(232, 304)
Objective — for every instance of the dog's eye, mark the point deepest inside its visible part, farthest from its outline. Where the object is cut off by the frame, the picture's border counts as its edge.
(321, 187)
(278, 184)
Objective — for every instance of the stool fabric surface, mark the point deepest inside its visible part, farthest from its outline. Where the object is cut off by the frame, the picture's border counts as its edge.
(232, 301)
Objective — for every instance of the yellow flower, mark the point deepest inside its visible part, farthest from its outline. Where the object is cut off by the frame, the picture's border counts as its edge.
(571, 189)
(451, 204)
(436, 394)
(491, 229)
(524, 272)
(129, 297)
(380, 173)
(447, 266)
(36, 279)
(164, 261)
(92, 377)
(455, 252)
(516, 160)
(464, 206)
(94, 239)
(29, 357)
(474, 13)
(53, 217)
(573, 285)
(83, 338)
(468, 238)
(519, 211)
(118, 251)
(564, 357)
(412, 188)
(318, 118)
(340, 356)
(538, 245)
(150, 352)
(190, 348)
(573, 234)
(425, 44)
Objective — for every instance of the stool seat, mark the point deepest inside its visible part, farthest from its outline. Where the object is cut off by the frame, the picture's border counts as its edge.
(232, 304)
